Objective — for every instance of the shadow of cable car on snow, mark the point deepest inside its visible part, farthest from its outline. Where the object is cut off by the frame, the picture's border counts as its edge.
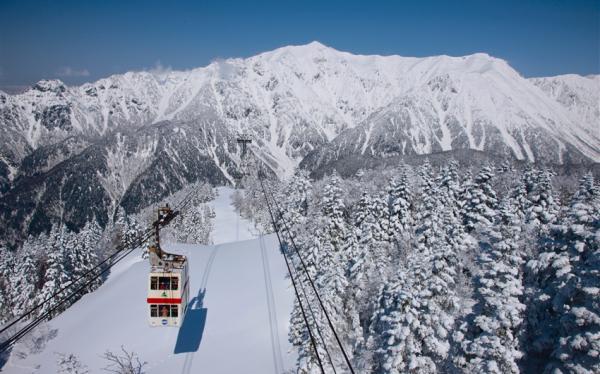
(192, 328)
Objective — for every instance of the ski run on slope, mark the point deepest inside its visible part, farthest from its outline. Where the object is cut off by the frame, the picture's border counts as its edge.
(237, 319)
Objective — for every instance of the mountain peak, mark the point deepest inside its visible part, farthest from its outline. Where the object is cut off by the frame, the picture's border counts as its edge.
(480, 55)
(316, 44)
(313, 47)
(53, 85)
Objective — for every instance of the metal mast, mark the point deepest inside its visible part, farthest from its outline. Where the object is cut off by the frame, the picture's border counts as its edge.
(244, 140)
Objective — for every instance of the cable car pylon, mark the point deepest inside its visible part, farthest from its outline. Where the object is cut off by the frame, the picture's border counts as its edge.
(244, 140)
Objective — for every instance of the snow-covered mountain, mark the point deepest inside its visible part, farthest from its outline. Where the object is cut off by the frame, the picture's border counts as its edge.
(580, 95)
(296, 98)
(133, 138)
(479, 102)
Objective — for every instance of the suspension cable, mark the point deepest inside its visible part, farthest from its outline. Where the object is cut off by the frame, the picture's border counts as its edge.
(346, 358)
(144, 237)
(69, 284)
(312, 338)
(30, 326)
(312, 313)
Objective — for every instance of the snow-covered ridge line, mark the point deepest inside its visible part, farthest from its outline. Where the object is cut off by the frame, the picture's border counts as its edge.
(307, 95)
(310, 105)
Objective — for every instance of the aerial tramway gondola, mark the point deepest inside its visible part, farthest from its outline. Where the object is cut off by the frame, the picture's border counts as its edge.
(168, 280)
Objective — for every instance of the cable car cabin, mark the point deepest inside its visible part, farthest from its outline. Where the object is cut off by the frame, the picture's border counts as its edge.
(168, 288)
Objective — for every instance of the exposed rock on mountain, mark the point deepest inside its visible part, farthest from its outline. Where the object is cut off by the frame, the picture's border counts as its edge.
(71, 154)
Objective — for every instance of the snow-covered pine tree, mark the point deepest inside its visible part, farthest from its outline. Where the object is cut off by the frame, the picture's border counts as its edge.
(544, 205)
(130, 230)
(400, 200)
(534, 198)
(362, 209)
(294, 203)
(368, 266)
(417, 311)
(307, 362)
(394, 335)
(194, 222)
(450, 185)
(429, 194)
(565, 317)
(24, 280)
(489, 340)
(7, 264)
(382, 213)
(334, 247)
(519, 198)
(329, 244)
(82, 254)
(360, 262)
(57, 272)
(333, 209)
(505, 167)
(480, 202)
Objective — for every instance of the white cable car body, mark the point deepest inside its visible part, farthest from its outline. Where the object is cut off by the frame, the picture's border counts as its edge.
(168, 292)
(168, 285)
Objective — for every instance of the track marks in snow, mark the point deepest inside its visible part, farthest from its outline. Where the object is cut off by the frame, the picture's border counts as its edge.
(272, 309)
(189, 357)
(209, 264)
(187, 363)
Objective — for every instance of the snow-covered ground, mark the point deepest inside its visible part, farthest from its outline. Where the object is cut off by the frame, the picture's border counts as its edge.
(228, 225)
(237, 321)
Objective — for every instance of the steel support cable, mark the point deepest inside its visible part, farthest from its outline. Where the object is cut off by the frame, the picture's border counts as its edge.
(312, 338)
(346, 358)
(145, 235)
(312, 313)
(68, 285)
(30, 326)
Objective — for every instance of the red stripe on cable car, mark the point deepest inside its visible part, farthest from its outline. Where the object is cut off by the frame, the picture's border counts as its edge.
(163, 301)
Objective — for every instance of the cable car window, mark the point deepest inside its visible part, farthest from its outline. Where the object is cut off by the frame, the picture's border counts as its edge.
(164, 283)
(174, 283)
(154, 283)
(164, 310)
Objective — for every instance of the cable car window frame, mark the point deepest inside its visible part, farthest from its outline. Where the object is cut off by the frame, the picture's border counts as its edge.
(164, 283)
(172, 309)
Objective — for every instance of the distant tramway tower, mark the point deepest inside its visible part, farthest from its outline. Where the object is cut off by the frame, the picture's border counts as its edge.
(244, 141)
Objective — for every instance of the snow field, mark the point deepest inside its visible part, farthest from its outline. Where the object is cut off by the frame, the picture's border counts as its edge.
(237, 321)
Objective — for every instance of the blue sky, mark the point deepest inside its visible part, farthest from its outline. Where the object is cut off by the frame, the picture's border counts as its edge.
(80, 41)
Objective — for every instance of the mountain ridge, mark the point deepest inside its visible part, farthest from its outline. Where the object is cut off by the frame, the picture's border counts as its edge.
(151, 133)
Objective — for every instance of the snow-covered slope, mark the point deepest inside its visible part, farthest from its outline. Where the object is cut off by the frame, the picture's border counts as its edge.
(238, 322)
(475, 102)
(134, 138)
(580, 95)
(297, 98)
